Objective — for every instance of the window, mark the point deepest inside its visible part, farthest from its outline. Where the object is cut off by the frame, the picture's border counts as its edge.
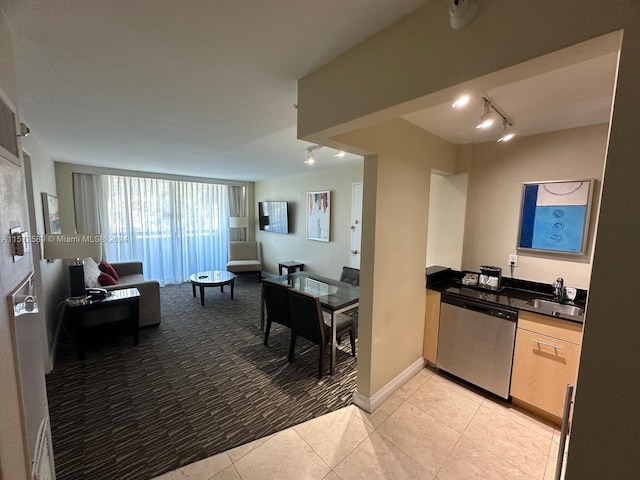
(176, 228)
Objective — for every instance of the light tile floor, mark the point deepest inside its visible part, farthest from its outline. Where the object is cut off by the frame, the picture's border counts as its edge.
(432, 428)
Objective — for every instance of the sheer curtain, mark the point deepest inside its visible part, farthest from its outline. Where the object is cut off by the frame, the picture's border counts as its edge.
(176, 228)
(237, 209)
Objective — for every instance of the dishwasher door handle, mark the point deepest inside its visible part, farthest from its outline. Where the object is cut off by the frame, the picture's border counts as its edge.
(477, 308)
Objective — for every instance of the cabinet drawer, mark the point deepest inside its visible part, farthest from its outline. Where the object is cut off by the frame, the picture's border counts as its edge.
(552, 327)
(542, 368)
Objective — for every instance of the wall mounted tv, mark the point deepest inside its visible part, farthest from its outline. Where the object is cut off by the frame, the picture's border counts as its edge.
(273, 217)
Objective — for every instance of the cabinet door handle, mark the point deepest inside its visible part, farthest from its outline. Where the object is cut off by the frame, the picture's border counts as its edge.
(540, 342)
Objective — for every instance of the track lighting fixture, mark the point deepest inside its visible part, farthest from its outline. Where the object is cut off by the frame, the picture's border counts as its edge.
(312, 148)
(507, 134)
(310, 158)
(491, 115)
(488, 118)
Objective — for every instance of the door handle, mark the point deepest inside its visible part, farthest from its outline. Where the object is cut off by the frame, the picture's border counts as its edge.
(355, 252)
(539, 342)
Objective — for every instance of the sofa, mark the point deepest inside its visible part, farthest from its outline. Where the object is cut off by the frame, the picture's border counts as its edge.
(130, 275)
(244, 257)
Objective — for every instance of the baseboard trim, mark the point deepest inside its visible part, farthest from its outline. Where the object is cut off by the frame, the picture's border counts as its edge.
(369, 404)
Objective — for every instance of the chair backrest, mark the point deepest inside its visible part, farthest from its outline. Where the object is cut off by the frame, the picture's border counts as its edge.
(306, 316)
(243, 251)
(350, 275)
(276, 300)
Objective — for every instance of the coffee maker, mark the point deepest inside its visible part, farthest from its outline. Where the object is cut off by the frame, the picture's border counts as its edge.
(490, 277)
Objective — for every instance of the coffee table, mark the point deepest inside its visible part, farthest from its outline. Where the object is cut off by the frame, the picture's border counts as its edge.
(211, 278)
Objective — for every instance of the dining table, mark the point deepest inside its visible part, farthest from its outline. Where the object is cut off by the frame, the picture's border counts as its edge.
(335, 297)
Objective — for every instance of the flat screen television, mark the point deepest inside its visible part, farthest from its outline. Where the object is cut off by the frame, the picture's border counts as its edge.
(273, 217)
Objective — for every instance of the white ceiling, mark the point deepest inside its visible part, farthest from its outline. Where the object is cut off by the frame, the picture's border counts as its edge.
(208, 87)
(574, 95)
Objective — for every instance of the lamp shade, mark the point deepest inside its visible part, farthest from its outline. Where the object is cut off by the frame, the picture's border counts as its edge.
(238, 222)
(72, 246)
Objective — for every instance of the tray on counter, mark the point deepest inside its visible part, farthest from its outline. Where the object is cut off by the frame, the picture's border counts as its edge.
(459, 283)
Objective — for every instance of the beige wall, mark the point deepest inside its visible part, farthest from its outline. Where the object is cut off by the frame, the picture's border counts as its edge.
(447, 210)
(14, 456)
(496, 176)
(395, 211)
(426, 56)
(323, 258)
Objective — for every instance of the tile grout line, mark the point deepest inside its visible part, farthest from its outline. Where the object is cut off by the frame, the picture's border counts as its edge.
(460, 438)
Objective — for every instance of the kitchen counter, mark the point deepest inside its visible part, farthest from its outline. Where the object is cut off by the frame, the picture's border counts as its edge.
(515, 293)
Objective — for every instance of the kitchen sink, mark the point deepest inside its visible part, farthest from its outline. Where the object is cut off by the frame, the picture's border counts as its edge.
(555, 307)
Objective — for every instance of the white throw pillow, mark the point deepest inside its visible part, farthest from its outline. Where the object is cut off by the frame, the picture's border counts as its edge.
(91, 273)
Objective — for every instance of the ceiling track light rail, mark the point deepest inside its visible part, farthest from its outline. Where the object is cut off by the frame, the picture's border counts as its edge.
(312, 148)
(488, 118)
(492, 106)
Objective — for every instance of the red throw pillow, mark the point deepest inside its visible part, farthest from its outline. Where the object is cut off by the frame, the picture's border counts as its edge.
(106, 267)
(105, 279)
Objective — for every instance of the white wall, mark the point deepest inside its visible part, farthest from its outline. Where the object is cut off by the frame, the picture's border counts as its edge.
(51, 281)
(447, 208)
(497, 172)
(323, 258)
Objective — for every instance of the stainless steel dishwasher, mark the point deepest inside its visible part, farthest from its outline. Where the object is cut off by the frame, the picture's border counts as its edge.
(475, 342)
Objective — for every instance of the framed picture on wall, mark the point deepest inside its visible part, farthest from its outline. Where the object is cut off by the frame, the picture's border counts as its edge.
(318, 215)
(51, 214)
(555, 216)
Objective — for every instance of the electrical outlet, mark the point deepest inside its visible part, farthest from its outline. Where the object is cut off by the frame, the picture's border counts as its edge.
(513, 259)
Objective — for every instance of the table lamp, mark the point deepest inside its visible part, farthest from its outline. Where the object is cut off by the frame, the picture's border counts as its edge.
(239, 222)
(73, 247)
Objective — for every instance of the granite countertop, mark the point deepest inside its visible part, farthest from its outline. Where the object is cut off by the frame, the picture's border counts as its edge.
(514, 293)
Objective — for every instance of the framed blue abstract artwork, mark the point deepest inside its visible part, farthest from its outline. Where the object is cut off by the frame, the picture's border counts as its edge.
(555, 216)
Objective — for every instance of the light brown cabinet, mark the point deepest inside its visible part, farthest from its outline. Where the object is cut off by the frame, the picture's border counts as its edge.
(431, 325)
(546, 357)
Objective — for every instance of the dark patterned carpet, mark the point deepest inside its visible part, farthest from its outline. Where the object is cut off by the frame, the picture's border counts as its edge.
(200, 383)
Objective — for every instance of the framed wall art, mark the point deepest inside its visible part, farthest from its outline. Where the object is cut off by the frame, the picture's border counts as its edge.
(51, 214)
(318, 215)
(555, 216)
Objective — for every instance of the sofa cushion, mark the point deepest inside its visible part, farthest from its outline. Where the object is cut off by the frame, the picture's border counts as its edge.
(91, 273)
(105, 279)
(106, 267)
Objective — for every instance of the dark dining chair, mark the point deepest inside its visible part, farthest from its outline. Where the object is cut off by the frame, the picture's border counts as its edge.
(350, 275)
(308, 321)
(277, 305)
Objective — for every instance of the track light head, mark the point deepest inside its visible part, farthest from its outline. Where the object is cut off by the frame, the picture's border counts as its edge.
(310, 158)
(488, 118)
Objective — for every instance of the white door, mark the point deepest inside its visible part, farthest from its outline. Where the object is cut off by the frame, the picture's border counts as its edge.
(356, 225)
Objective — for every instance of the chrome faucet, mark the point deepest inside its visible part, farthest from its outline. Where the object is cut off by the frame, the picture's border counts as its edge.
(558, 287)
